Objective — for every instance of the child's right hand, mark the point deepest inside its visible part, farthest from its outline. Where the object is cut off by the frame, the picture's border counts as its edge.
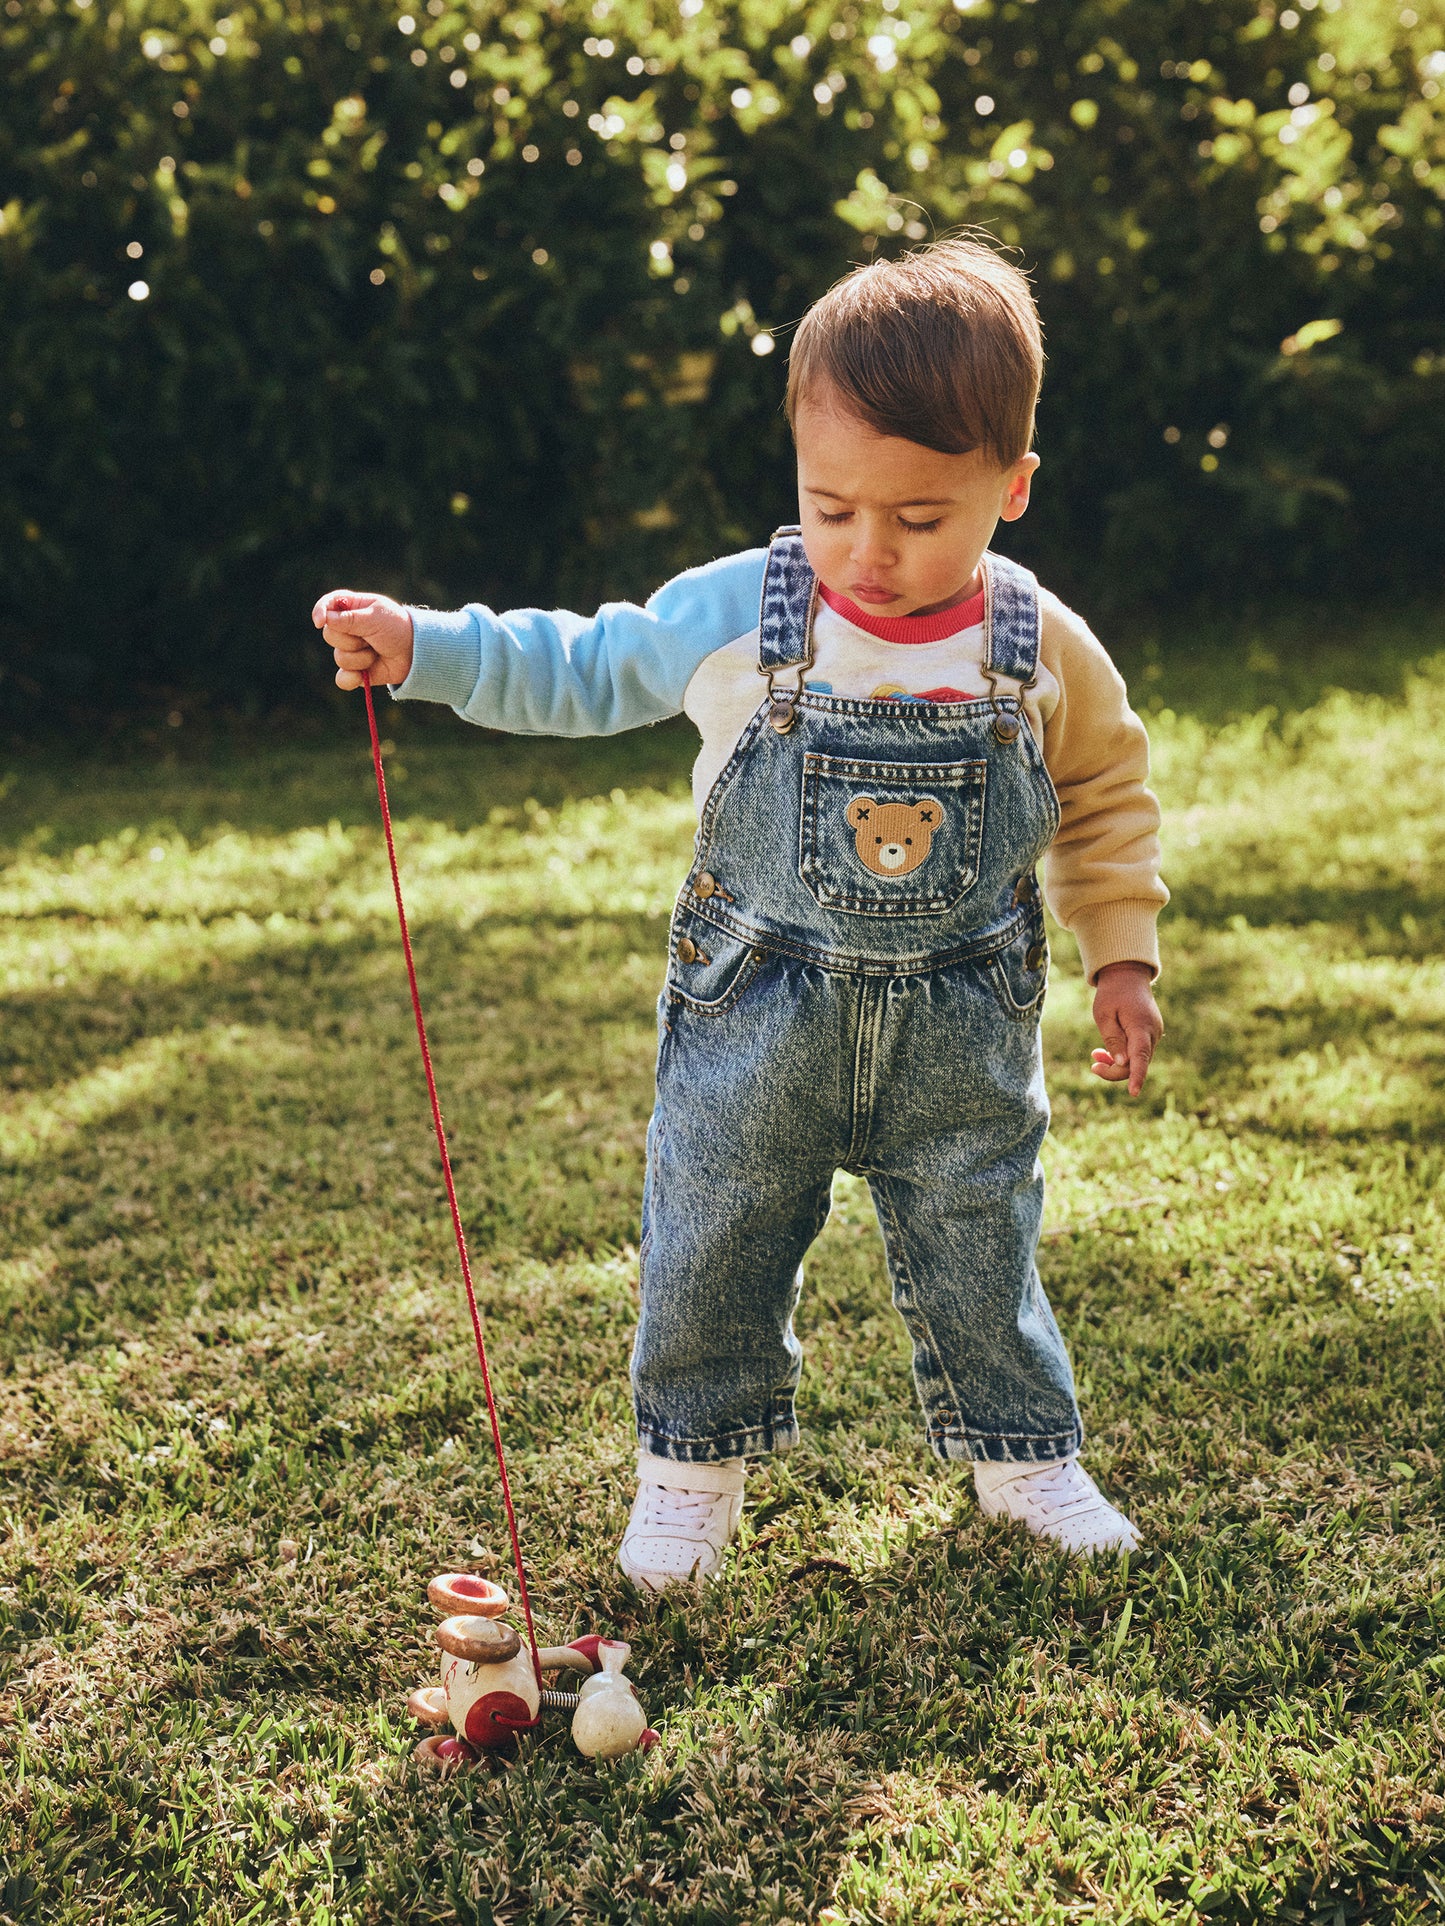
(365, 632)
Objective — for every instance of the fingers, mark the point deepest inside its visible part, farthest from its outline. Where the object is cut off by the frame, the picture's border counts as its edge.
(1116, 1051)
(1131, 1061)
(1129, 1022)
(1141, 1055)
(351, 630)
(339, 603)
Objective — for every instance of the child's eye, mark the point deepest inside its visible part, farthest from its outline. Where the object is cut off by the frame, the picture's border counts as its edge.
(832, 521)
(922, 528)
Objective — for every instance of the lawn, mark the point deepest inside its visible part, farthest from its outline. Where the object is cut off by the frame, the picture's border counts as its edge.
(241, 1420)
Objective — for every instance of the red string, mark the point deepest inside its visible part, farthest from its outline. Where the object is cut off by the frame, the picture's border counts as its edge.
(441, 1136)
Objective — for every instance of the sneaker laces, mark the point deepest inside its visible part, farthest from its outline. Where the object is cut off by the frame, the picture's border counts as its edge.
(1064, 1487)
(668, 1509)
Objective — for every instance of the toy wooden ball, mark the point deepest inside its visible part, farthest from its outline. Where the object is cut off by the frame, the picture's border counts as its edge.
(490, 1687)
(608, 1721)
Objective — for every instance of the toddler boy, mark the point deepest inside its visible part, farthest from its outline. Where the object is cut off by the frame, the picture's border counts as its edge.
(898, 726)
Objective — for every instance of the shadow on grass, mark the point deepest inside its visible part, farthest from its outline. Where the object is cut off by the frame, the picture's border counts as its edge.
(251, 1101)
(439, 768)
(1388, 919)
(1218, 665)
(1213, 667)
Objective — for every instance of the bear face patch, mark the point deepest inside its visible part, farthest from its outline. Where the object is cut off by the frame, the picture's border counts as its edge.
(893, 839)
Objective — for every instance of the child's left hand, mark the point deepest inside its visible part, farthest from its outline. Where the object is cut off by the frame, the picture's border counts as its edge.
(1128, 1019)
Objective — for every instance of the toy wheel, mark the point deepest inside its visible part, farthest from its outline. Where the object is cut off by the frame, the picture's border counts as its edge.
(428, 1704)
(464, 1592)
(443, 1755)
(481, 1641)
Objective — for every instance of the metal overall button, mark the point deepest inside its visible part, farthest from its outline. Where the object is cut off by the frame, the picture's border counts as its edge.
(782, 710)
(783, 703)
(705, 885)
(1006, 723)
(1025, 890)
(710, 985)
(1035, 957)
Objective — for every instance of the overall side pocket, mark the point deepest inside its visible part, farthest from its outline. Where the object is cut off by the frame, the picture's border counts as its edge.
(1020, 973)
(708, 969)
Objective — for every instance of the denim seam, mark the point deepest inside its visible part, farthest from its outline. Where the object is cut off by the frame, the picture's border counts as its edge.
(884, 1184)
(1014, 1011)
(723, 780)
(915, 709)
(865, 1056)
(651, 1176)
(855, 966)
(1041, 1447)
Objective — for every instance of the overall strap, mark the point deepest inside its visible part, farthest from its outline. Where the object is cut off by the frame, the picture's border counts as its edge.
(1011, 620)
(790, 588)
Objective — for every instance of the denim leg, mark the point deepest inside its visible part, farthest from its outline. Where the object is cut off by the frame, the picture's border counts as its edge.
(952, 1158)
(741, 1154)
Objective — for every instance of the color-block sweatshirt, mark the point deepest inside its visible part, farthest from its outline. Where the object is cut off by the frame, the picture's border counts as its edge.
(693, 649)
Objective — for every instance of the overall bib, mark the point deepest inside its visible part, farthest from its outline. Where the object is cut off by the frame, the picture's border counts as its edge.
(857, 966)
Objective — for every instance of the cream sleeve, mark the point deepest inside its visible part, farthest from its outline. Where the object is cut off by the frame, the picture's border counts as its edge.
(1101, 875)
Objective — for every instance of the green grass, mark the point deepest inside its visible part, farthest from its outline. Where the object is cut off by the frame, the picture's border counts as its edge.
(241, 1427)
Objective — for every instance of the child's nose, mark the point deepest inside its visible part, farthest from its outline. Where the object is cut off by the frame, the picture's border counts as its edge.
(873, 546)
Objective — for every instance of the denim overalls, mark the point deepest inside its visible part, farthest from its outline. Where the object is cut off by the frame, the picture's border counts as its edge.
(857, 968)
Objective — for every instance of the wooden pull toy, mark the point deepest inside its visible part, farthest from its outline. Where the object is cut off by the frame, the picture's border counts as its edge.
(489, 1692)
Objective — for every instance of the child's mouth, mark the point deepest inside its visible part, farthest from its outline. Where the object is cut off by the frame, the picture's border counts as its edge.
(872, 592)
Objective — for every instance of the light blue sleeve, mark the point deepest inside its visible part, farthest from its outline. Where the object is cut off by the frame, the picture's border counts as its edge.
(553, 674)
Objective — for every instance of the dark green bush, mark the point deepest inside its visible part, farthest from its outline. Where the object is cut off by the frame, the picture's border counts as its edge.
(498, 338)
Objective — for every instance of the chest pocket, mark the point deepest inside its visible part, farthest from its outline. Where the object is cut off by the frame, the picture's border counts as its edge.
(891, 838)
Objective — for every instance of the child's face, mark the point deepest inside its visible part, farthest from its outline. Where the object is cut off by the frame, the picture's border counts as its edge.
(896, 527)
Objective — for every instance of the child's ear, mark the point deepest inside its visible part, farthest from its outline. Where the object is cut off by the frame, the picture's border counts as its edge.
(1016, 484)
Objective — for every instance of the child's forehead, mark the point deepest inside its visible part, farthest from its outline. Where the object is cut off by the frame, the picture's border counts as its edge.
(841, 456)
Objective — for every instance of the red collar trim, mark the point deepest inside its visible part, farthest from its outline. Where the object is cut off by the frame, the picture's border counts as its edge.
(965, 614)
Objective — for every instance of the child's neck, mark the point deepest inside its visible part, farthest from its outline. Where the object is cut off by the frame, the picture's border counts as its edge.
(931, 624)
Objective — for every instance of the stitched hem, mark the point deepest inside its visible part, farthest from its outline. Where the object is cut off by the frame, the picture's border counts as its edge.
(758, 1441)
(962, 1447)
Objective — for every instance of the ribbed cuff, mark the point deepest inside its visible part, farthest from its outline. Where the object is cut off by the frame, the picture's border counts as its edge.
(1124, 932)
(446, 659)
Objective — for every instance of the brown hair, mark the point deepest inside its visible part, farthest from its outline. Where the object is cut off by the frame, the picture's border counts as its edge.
(941, 346)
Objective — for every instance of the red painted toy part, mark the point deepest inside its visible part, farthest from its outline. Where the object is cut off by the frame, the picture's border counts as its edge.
(457, 1749)
(473, 1587)
(588, 1648)
(438, 1754)
(495, 1720)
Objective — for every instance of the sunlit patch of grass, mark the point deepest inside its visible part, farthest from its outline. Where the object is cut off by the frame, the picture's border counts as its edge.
(240, 1421)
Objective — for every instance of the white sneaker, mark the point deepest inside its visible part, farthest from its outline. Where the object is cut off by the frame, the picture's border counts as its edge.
(683, 1520)
(1057, 1500)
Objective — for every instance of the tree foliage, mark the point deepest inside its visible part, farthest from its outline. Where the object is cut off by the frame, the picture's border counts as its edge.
(480, 299)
